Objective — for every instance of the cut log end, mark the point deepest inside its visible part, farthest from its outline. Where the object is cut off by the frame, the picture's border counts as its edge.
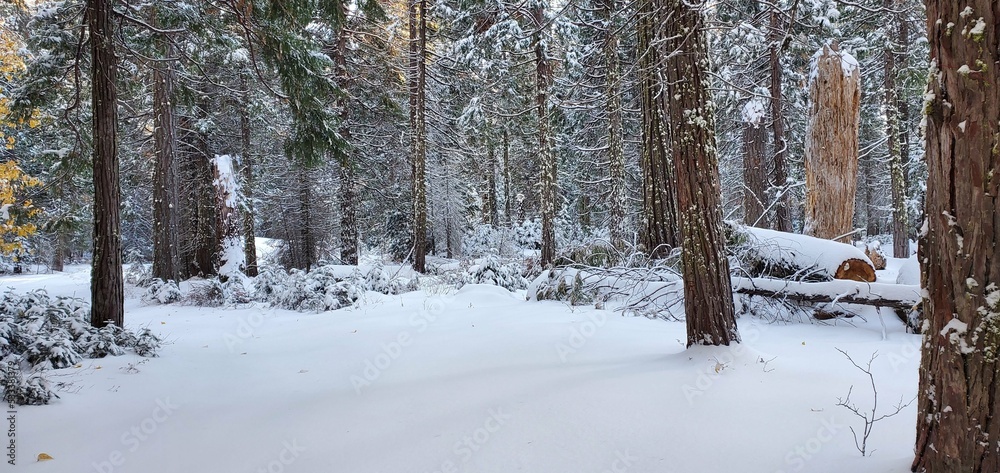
(855, 270)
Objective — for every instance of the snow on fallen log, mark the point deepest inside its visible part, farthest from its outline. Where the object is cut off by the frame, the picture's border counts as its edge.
(798, 257)
(897, 296)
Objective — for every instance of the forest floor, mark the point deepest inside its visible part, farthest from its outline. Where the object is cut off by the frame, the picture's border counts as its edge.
(473, 380)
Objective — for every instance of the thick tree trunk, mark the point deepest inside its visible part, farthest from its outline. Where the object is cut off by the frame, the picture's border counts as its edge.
(198, 232)
(345, 163)
(708, 295)
(958, 418)
(106, 283)
(547, 160)
(754, 170)
(418, 128)
(832, 143)
(166, 206)
(659, 206)
(249, 233)
(782, 217)
(618, 199)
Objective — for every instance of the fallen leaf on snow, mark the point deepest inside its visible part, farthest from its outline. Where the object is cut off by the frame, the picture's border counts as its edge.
(44, 456)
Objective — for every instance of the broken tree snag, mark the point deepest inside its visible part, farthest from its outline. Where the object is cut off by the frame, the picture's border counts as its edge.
(831, 155)
(897, 296)
(797, 257)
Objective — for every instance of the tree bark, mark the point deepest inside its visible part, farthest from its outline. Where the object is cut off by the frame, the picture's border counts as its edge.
(958, 420)
(832, 144)
(249, 233)
(508, 197)
(782, 218)
(900, 236)
(547, 160)
(492, 213)
(166, 259)
(754, 170)
(106, 283)
(198, 236)
(345, 160)
(659, 207)
(618, 200)
(708, 295)
(418, 128)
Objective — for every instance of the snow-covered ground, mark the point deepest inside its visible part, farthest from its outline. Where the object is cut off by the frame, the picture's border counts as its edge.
(474, 380)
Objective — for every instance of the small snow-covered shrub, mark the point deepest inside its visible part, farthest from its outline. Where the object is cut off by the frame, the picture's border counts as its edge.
(491, 270)
(139, 274)
(33, 390)
(325, 287)
(528, 234)
(562, 285)
(159, 291)
(484, 239)
(147, 343)
(55, 351)
(39, 332)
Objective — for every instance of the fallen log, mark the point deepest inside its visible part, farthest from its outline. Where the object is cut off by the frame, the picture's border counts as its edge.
(791, 256)
(897, 296)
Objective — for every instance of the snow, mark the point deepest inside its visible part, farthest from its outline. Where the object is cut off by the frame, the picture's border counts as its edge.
(848, 63)
(754, 111)
(803, 251)
(477, 380)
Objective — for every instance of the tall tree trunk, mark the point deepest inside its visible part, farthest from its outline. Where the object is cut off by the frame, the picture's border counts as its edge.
(345, 162)
(307, 240)
(492, 214)
(249, 233)
(832, 144)
(754, 175)
(958, 418)
(900, 237)
(708, 294)
(546, 157)
(166, 206)
(59, 252)
(618, 200)
(871, 179)
(106, 283)
(659, 206)
(418, 128)
(199, 214)
(782, 218)
(508, 194)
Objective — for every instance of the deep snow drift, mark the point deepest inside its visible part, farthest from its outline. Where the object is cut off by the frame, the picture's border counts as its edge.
(474, 380)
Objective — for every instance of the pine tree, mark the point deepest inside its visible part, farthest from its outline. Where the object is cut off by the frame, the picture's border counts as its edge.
(106, 284)
(708, 297)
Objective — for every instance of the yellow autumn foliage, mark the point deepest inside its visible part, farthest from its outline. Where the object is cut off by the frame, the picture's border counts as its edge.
(11, 65)
(16, 211)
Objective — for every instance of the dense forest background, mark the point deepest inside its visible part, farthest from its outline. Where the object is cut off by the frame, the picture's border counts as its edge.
(315, 106)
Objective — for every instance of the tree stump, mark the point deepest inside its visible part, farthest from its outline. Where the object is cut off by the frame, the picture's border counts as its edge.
(831, 155)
